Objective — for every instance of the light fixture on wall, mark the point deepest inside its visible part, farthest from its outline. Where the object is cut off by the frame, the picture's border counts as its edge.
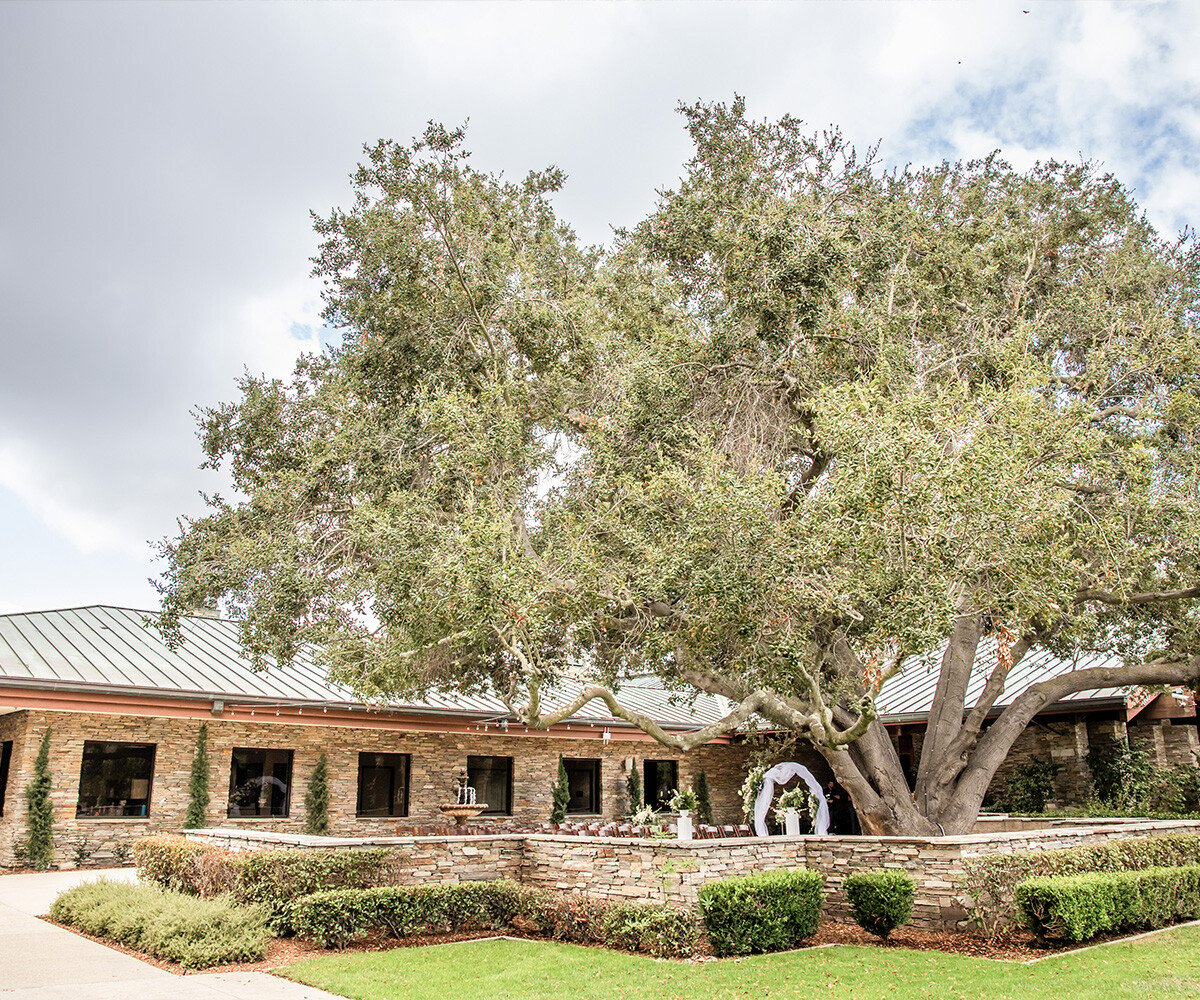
(606, 736)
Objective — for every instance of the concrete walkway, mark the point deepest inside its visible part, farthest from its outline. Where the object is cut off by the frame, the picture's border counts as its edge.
(39, 961)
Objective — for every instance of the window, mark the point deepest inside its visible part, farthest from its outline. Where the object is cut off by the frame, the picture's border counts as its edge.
(661, 778)
(260, 782)
(583, 781)
(5, 757)
(491, 777)
(383, 784)
(115, 779)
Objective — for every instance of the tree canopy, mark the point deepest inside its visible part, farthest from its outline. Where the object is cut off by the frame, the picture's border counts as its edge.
(810, 417)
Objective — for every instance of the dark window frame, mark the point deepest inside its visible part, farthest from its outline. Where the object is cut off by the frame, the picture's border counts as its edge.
(651, 792)
(109, 806)
(407, 765)
(592, 765)
(287, 803)
(6, 749)
(507, 809)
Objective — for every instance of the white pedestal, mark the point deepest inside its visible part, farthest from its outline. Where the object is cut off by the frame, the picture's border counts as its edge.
(791, 822)
(684, 827)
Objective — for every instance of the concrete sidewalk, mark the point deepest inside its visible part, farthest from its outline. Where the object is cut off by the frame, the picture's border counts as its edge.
(39, 961)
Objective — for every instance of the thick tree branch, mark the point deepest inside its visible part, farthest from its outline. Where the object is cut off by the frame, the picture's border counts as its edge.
(1118, 411)
(949, 700)
(1146, 597)
(531, 715)
(995, 744)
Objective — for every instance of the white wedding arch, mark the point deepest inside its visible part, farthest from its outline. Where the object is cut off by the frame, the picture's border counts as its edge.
(781, 774)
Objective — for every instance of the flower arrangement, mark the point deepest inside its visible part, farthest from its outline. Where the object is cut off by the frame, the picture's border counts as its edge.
(646, 817)
(683, 798)
(800, 799)
(751, 787)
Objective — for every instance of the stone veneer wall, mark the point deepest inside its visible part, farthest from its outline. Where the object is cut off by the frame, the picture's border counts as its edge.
(673, 871)
(434, 764)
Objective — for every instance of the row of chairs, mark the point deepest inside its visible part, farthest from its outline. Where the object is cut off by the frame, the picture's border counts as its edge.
(702, 831)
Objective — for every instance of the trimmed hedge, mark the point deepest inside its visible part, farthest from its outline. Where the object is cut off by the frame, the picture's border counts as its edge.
(196, 933)
(880, 900)
(270, 879)
(991, 880)
(342, 916)
(275, 879)
(773, 911)
(1078, 907)
(337, 917)
(185, 865)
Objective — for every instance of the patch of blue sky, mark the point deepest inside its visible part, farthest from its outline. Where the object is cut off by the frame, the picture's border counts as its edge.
(1016, 114)
(327, 337)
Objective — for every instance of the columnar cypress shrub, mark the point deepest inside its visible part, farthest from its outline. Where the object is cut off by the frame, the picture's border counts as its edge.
(704, 807)
(39, 814)
(316, 799)
(633, 785)
(561, 794)
(198, 783)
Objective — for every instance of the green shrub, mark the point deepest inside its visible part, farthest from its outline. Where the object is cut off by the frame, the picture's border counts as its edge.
(1078, 907)
(768, 912)
(197, 810)
(881, 900)
(704, 811)
(560, 794)
(196, 933)
(1029, 787)
(186, 865)
(337, 917)
(569, 916)
(39, 811)
(991, 880)
(633, 788)
(316, 799)
(654, 928)
(274, 879)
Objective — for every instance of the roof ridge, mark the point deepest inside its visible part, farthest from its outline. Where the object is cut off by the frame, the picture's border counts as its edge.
(109, 607)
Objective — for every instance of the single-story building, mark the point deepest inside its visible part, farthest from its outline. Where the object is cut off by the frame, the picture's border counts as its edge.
(124, 713)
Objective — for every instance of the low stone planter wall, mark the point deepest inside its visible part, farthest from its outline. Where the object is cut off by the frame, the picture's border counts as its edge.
(419, 859)
(673, 871)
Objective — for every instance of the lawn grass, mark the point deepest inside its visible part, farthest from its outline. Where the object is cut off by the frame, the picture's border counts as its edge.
(1164, 965)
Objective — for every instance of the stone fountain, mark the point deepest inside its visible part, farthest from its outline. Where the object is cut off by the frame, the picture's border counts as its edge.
(465, 807)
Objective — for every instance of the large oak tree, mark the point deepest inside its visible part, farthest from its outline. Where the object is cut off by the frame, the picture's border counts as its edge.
(809, 418)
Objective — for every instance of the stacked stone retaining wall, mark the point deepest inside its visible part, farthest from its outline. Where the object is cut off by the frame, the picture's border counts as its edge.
(673, 871)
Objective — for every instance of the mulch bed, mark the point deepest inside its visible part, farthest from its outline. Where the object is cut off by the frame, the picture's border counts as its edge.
(1016, 946)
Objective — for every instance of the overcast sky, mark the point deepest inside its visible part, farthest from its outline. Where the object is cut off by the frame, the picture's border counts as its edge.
(158, 164)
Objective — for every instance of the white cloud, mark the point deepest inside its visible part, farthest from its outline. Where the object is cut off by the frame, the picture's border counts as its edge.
(161, 161)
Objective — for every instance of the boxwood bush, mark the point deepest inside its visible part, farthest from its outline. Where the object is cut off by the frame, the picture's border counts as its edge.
(196, 933)
(1078, 907)
(880, 900)
(757, 913)
(991, 880)
(339, 917)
